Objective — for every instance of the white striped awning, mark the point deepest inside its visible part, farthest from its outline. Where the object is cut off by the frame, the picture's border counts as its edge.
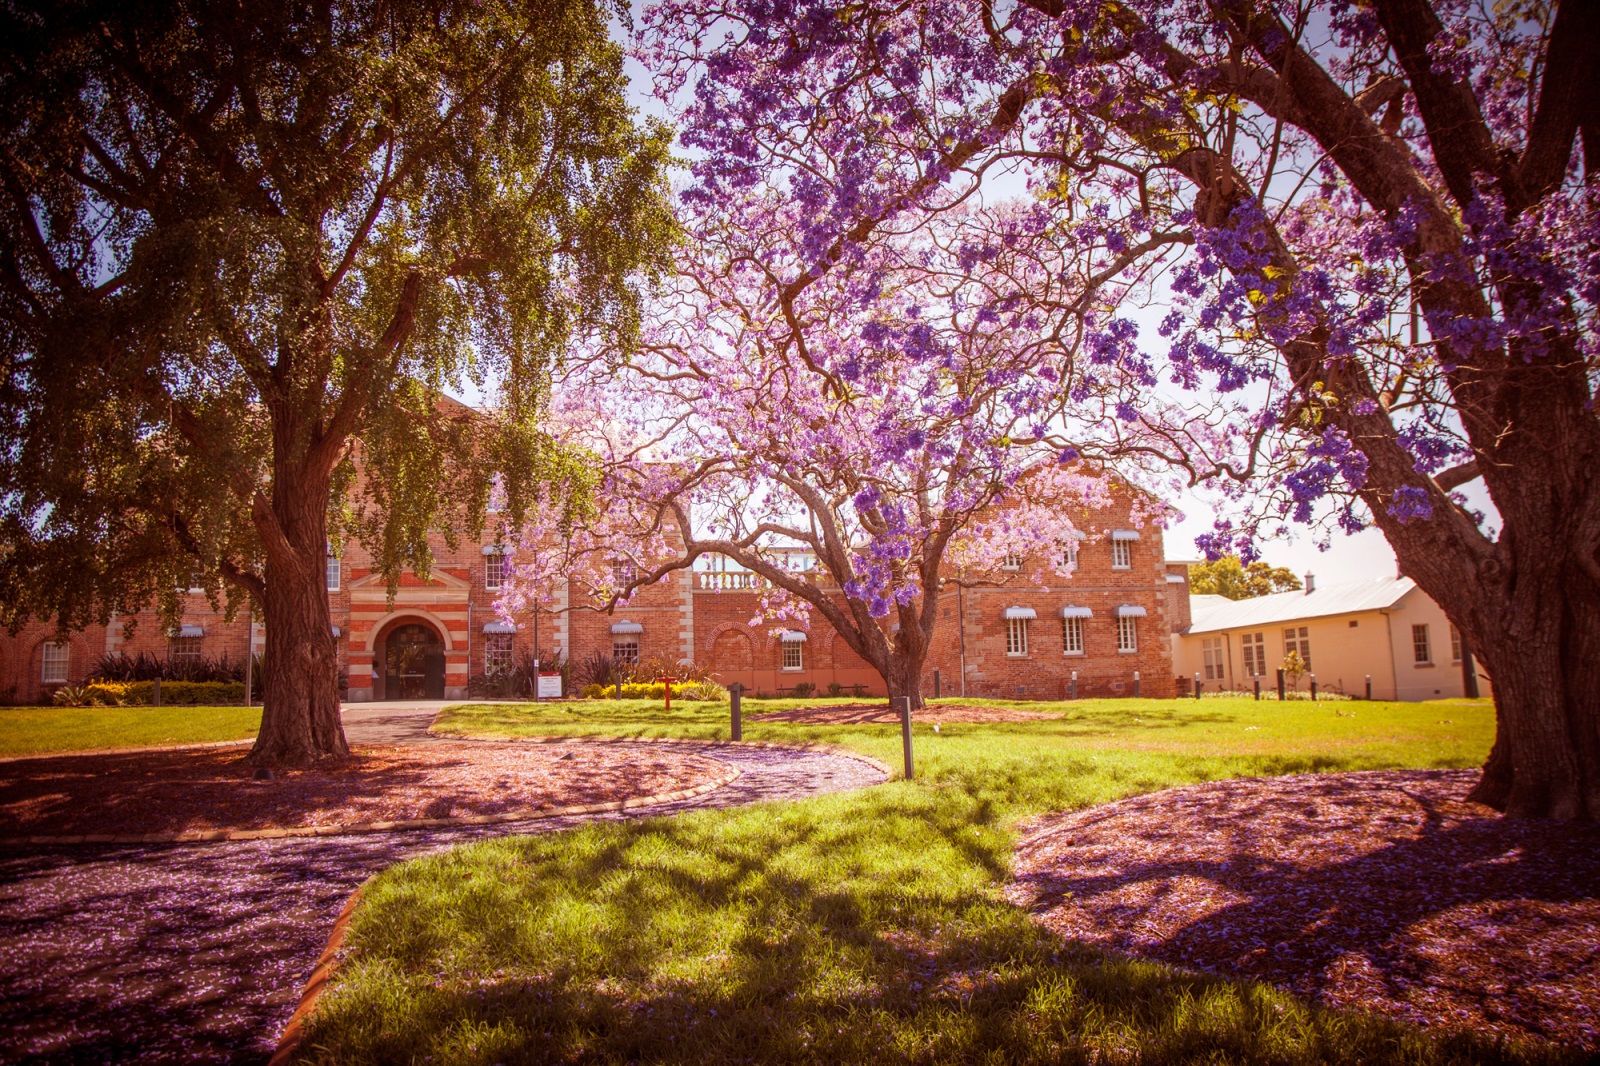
(1124, 534)
(498, 628)
(792, 636)
(625, 627)
(1076, 612)
(191, 631)
(1020, 612)
(1130, 610)
(494, 549)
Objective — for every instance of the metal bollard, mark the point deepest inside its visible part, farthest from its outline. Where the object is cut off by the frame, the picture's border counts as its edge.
(905, 734)
(1197, 684)
(1074, 694)
(1136, 684)
(1369, 686)
(936, 684)
(1281, 696)
(1313, 688)
(1258, 689)
(736, 690)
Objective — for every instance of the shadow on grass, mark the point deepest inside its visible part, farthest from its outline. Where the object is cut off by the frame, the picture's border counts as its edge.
(858, 928)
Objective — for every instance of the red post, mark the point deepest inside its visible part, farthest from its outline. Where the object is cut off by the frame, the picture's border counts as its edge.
(667, 681)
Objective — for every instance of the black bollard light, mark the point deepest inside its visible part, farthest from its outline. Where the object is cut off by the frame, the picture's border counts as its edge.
(736, 690)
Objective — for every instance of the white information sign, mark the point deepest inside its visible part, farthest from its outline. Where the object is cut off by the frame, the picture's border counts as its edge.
(549, 685)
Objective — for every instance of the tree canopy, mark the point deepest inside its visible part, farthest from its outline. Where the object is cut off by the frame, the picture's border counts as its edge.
(1334, 259)
(240, 239)
(1229, 576)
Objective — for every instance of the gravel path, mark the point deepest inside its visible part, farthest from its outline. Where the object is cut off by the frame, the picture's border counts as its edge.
(198, 953)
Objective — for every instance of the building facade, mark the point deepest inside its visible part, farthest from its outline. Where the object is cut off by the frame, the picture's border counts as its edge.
(1385, 630)
(1105, 631)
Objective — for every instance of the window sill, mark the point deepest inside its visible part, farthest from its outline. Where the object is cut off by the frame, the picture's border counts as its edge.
(1073, 654)
(1122, 568)
(1127, 651)
(1016, 655)
(792, 669)
(1424, 666)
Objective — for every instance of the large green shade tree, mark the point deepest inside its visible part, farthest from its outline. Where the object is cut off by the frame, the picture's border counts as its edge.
(244, 245)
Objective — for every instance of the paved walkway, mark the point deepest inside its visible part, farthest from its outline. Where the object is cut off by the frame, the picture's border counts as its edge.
(198, 953)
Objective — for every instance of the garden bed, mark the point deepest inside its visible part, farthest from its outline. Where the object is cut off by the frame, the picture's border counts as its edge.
(196, 790)
(1377, 891)
(859, 713)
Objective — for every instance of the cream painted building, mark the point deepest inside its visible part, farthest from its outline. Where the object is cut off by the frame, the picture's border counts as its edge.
(1386, 629)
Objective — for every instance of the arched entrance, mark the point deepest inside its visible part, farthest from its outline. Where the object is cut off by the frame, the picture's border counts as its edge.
(412, 658)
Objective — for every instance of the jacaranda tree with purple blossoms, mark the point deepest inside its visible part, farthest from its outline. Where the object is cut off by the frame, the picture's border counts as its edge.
(1366, 236)
(899, 435)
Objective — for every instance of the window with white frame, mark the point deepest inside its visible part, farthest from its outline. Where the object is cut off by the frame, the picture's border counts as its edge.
(1127, 633)
(1255, 654)
(1016, 636)
(185, 651)
(1012, 562)
(1211, 651)
(55, 658)
(333, 573)
(1072, 636)
(497, 652)
(1455, 644)
(793, 655)
(1122, 555)
(1298, 639)
(494, 570)
(623, 572)
(1421, 650)
(1069, 554)
(625, 648)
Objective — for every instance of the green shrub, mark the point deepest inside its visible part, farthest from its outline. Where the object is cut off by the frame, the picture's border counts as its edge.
(173, 693)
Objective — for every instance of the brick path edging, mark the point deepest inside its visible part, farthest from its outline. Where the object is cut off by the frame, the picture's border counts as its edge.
(294, 1031)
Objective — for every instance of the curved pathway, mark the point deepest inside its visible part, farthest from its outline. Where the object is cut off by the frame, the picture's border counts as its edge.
(198, 953)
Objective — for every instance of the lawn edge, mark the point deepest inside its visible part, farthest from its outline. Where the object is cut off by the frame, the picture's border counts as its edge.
(294, 1030)
(67, 753)
(217, 836)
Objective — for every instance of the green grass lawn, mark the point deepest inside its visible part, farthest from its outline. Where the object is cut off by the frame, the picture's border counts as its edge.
(39, 730)
(864, 927)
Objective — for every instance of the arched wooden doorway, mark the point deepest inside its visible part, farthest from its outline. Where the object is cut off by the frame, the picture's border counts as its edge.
(412, 655)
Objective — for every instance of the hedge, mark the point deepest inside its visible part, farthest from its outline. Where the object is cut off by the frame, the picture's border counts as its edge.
(173, 693)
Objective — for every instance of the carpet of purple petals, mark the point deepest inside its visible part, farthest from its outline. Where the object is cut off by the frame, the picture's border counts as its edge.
(1378, 891)
(198, 953)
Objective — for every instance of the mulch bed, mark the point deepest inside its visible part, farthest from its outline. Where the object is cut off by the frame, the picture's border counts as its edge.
(182, 791)
(1378, 891)
(859, 713)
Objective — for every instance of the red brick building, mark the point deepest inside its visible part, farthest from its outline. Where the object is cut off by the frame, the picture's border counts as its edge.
(1099, 633)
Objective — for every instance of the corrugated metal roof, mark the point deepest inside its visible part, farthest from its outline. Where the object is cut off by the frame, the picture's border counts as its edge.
(1213, 613)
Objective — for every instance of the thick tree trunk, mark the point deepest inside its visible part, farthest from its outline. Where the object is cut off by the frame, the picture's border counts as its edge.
(300, 721)
(1545, 762)
(903, 676)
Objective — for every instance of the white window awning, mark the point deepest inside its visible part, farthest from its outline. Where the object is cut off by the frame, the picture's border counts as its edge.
(494, 549)
(625, 627)
(792, 636)
(1076, 612)
(1124, 534)
(191, 631)
(337, 632)
(1020, 612)
(1130, 610)
(498, 628)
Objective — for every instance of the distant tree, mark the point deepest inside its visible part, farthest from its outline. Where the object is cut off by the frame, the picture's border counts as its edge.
(238, 241)
(1230, 577)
